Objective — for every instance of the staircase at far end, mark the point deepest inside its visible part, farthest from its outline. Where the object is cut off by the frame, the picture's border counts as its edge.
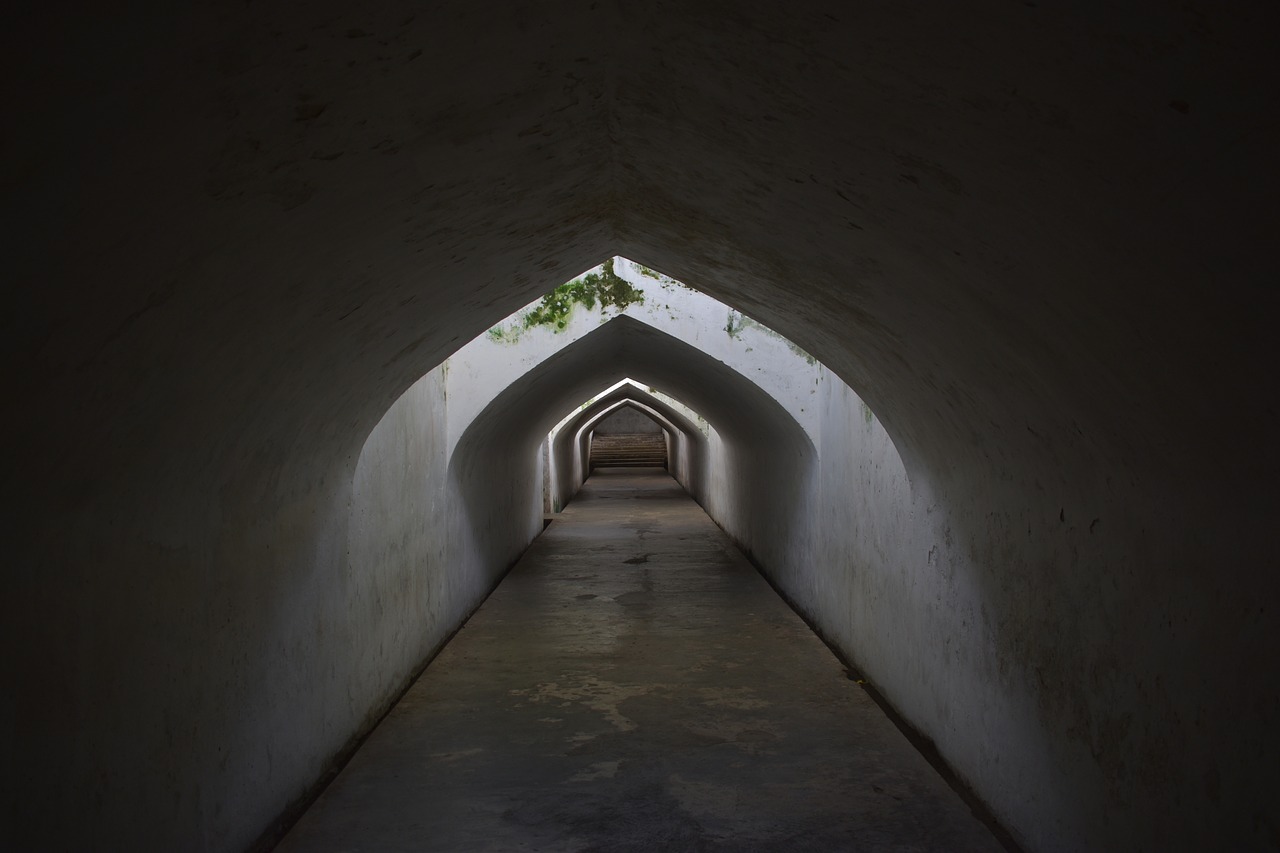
(629, 450)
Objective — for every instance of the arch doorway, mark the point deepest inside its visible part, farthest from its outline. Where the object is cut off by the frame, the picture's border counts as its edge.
(628, 438)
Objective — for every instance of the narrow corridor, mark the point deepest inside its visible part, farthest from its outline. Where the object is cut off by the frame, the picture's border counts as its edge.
(635, 685)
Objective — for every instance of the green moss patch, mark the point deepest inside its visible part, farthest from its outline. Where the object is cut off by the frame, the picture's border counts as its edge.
(605, 288)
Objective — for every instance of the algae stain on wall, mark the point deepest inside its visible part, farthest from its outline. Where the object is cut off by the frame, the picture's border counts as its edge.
(605, 288)
(601, 286)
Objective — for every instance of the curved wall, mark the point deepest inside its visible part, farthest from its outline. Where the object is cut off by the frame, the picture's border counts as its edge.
(1035, 240)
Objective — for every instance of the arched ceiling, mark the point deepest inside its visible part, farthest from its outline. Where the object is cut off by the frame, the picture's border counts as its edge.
(637, 398)
(652, 415)
(519, 418)
(1031, 237)
(647, 415)
(1035, 238)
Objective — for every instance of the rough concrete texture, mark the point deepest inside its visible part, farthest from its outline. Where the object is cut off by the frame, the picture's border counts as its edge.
(1035, 239)
(635, 685)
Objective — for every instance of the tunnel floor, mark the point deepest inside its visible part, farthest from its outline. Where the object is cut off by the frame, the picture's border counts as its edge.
(635, 685)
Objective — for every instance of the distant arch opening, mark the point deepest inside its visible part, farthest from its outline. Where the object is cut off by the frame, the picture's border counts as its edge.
(688, 449)
(628, 438)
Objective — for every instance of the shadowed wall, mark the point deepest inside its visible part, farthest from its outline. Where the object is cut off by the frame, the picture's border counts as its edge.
(1035, 240)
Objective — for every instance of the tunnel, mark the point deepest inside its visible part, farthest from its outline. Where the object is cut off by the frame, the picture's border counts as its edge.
(570, 448)
(627, 438)
(1031, 240)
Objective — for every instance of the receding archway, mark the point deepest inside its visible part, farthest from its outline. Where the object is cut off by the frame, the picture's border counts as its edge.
(494, 467)
(688, 453)
(1037, 242)
(627, 437)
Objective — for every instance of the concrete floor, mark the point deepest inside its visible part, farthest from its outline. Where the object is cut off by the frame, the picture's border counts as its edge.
(634, 685)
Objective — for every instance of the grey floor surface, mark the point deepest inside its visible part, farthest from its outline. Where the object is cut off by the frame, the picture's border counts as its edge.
(635, 685)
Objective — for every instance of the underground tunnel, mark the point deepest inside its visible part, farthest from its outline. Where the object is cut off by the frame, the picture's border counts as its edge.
(747, 458)
(1032, 241)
